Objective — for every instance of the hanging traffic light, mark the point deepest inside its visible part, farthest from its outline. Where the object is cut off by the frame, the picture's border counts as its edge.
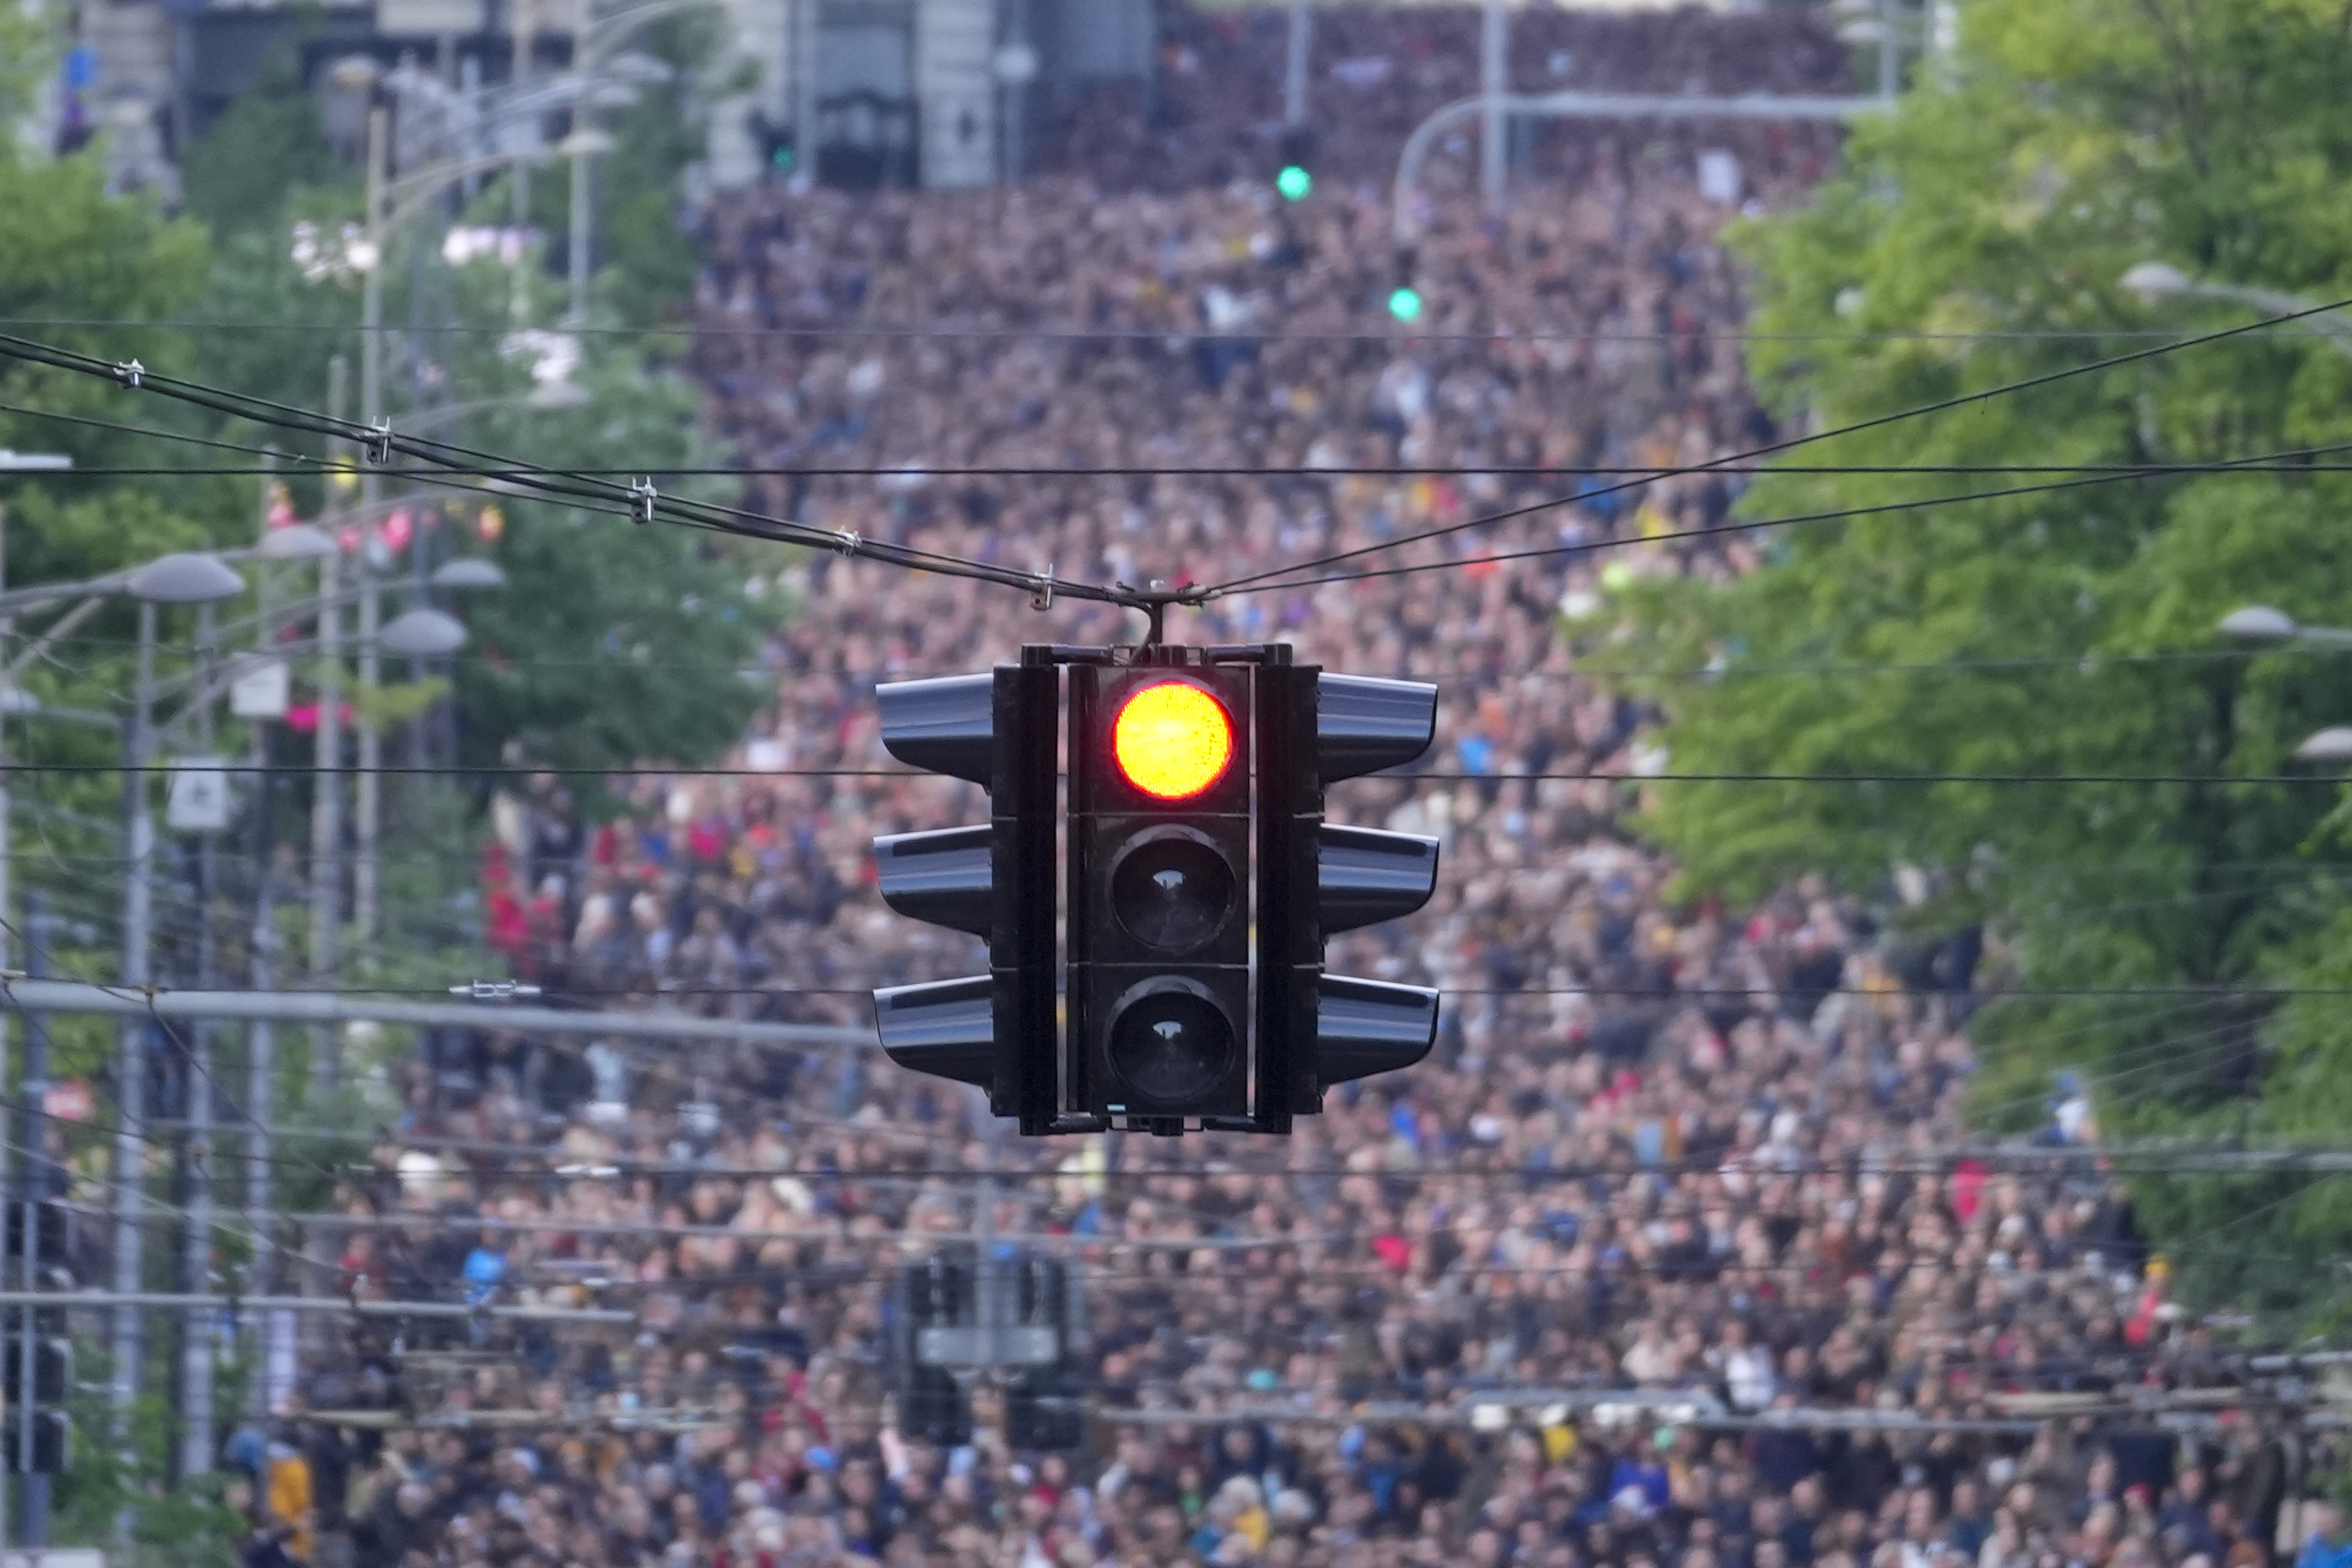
(35, 1355)
(1318, 879)
(1159, 875)
(935, 1292)
(1045, 1407)
(1201, 883)
(996, 1030)
(1046, 1410)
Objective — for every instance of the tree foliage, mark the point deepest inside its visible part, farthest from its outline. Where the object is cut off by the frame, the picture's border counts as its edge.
(1977, 237)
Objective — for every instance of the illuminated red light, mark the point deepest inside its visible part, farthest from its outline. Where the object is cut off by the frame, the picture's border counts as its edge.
(1171, 740)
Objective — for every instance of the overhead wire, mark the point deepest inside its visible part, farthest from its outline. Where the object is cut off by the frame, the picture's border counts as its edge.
(1957, 400)
(1087, 332)
(322, 467)
(1709, 531)
(642, 503)
(1500, 776)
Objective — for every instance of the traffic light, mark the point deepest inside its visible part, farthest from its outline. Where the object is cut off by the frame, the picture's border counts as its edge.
(1404, 302)
(1162, 764)
(779, 148)
(1046, 1410)
(1320, 878)
(935, 1292)
(36, 1356)
(1045, 1406)
(49, 1235)
(1203, 883)
(1295, 181)
(996, 882)
(1200, 884)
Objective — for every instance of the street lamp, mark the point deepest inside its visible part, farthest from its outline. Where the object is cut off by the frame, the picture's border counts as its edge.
(468, 571)
(2260, 623)
(422, 633)
(185, 577)
(2332, 745)
(298, 541)
(2263, 626)
(2152, 283)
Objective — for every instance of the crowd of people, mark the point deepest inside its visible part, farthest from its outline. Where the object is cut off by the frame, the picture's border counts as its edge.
(1673, 1255)
(1213, 108)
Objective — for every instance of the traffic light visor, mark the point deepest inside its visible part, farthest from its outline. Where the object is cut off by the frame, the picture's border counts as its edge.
(1172, 739)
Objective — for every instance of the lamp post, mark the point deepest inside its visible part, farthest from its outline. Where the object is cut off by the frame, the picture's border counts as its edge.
(37, 1487)
(185, 578)
(295, 545)
(2152, 282)
(2263, 625)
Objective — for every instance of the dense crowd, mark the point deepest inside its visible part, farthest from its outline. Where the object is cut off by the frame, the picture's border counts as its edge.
(1677, 1173)
(1213, 109)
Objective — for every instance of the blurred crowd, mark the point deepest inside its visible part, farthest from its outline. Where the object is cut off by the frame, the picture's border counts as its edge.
(1690, 1177)
(1213, 109)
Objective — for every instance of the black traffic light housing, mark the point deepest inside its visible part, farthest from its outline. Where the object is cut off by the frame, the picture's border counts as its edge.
(1188, 966)
(1046, 1410)
(934, 1292)
(779, 145)
(995, 881)
(35, 1355)
(1158, 947)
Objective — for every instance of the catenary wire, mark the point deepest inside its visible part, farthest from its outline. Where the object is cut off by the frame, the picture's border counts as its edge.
(509, 769)
(326, 467)
(645, 505)
(1742, 526)
(1876, 421)
(1084, 334)
(496, 479)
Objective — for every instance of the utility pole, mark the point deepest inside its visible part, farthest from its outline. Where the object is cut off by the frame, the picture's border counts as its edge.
(523, 18)
(1494, 81)
(1889, 76)
(1293, 75)
(582, 139)
(260, 1039)
(131, 1036)
(32, 1140)
(327, 799)
(24, 1320)
(197, 1328)
(368, 786)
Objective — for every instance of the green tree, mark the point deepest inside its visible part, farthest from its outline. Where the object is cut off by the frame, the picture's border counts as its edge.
(2065, 631)
(616, 643)
(269, 144)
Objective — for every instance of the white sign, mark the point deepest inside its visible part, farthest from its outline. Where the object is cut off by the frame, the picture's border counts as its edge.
(1016, 65)
(54, 1557)
(199, 797)
(262, 690)
(429, 18)
(1719, 177)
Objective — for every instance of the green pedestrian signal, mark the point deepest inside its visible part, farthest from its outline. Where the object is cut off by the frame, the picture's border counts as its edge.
(1404, 305)
(1294, 182)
